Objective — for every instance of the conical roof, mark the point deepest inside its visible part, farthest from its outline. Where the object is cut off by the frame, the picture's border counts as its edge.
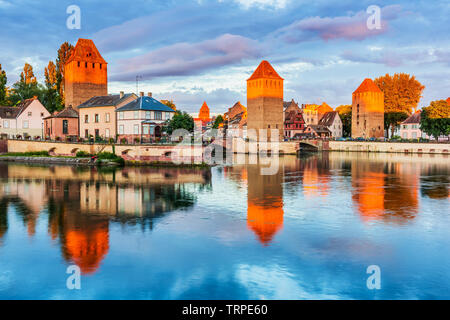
(367, 86)
(265, 71)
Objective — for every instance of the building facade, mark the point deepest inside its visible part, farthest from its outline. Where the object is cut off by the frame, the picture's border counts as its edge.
(142, 120)
(62, 125)
(85, 74)
(294, 125)
(98, 115)
(24, 120)
(265, 101)
(333, 122)
(368, 111)
(204, 119)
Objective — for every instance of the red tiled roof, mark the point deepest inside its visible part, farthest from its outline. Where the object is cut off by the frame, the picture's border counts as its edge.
(448, 101)
(367, 86)
(85, 50)
(266, 71)
(414, 118)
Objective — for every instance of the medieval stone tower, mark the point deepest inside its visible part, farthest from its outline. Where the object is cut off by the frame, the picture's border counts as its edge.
(265, 100)
(85, 73)
(368, 111)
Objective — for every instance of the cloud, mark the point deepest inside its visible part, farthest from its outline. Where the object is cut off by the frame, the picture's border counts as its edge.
(184, 58)
(263, 4)
(343, 27)
(399, 57)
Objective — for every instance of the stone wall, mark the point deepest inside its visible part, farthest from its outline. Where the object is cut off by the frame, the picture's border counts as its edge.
(390, 147)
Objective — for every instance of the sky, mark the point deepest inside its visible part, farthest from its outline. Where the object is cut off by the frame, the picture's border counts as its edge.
(205, 50)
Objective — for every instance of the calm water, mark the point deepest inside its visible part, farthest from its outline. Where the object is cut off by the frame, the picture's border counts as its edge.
(308, 232)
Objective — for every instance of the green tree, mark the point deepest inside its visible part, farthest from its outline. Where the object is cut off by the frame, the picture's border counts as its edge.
(3, 89)
(180, 120)
(64, 53)
(435, 119)
(402, 93)
(51, 99)
(27, 87)
(218, 121)
(345, 112)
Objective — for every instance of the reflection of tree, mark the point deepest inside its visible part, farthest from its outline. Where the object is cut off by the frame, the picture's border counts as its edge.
(387, 191)
(435, 182)
(3, 217)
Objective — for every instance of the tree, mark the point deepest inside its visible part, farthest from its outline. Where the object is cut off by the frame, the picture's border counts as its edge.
(435, 119)
(345, 112)
(51, 98)
(402, 94)
(3, 89)
(218, 121)
(393, 120)
(64, 53)
(170, 104)
(27, 87)
(180, 120)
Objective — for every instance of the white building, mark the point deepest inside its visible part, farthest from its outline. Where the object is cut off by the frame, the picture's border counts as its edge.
(24, 120)
(333, 122)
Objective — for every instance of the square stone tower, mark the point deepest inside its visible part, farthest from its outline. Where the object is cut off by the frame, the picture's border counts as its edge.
(265, 100)
(85, 74)
(368, 111)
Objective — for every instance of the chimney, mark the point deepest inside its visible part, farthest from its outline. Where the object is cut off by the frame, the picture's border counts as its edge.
(149, 94)
(121, 94)
(141, 93)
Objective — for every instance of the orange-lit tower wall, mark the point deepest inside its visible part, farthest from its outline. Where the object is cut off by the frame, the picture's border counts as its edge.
(85, 73)
(368, 111)
(265, 100)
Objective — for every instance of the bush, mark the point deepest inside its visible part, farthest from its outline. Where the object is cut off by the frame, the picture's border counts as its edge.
(123, 141)
(107, 156)
(83, 154)
(30, 154)
(137, 140)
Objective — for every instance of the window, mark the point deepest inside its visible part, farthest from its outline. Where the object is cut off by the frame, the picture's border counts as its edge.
(86, 133)
(145, 129)
(414, 135)
(136, 129)
(86, 118)
(405, 135)
(93, 66)
(42, 114)
(147, 115)
(97, 133)
(100, 65)
(85, 64)
(25, 124)
(96, 118)
(107, 117)
(158, 115)
(120, 115)
(78, 64)
(107, 133)
(29, 114)
(121, 128)
(167, 115)
(65, 125)
(6, 124)
(136, 114)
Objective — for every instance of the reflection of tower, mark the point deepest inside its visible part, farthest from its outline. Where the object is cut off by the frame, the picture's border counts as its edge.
(385, 191)
(265, 203)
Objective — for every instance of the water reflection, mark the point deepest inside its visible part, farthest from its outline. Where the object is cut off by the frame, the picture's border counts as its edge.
(80, 207)
(81, 203)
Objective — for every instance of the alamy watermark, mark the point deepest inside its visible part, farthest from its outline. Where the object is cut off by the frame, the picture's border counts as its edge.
(73, 282)
(374, 20)
(74, 19)
(374, 280)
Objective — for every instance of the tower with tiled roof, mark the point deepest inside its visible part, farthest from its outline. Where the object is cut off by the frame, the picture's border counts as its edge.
(368, 111)
(265, 100)
(85, 74)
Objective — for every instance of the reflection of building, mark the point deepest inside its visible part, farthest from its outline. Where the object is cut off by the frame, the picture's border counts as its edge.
(368, 111)
(265, 100)
(265, 203)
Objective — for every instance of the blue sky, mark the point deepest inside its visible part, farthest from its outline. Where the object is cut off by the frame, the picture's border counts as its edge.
(191, 51)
